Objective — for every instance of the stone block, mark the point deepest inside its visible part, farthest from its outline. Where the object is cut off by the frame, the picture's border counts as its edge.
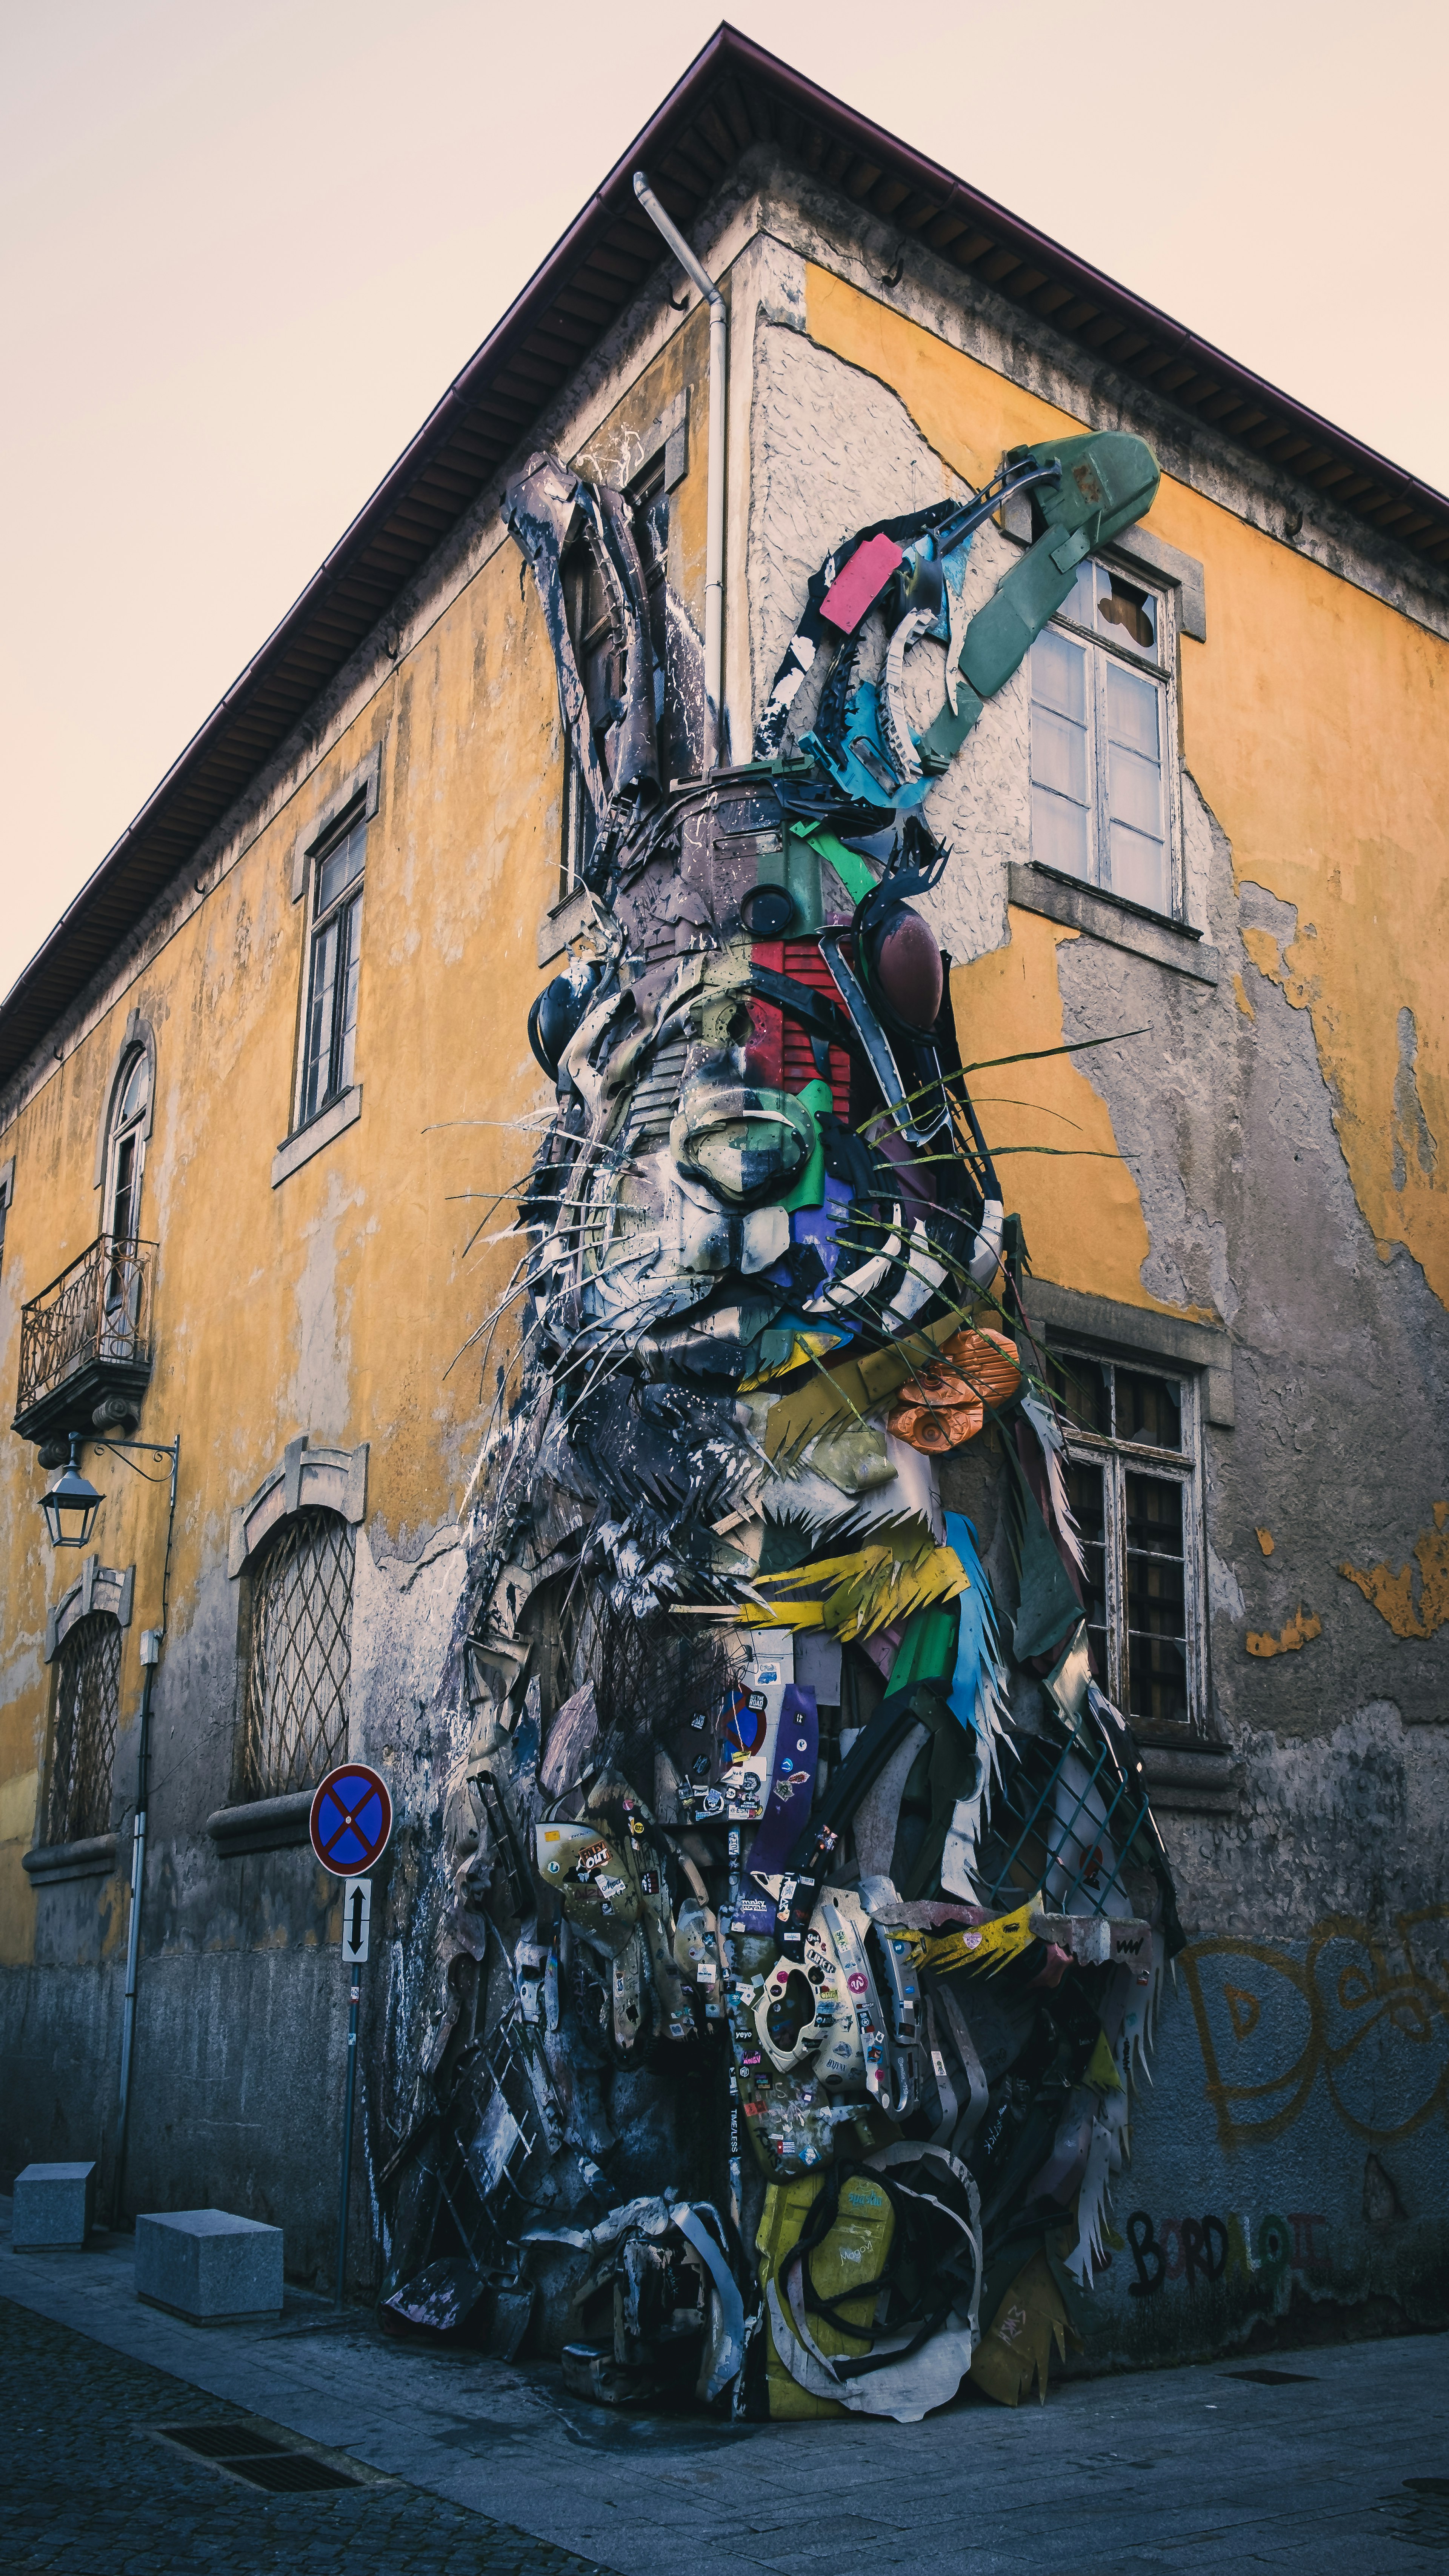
(54, 2205)
(208, 2266)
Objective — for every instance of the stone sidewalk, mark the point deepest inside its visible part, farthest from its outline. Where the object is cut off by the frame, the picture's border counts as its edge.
(1339, 2470)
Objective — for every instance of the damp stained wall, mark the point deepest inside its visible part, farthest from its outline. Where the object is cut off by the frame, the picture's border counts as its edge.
(336, 1305)
(1263, 1159)
(1265, 1162)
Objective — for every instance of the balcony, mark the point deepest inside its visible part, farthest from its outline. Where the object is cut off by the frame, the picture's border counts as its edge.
(85, 1344)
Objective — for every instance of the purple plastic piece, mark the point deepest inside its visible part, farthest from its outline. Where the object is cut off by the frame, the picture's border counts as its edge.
(787, 1808)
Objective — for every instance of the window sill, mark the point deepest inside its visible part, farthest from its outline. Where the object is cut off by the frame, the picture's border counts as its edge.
(1076, 1312)
(1111, 917)
(319, 1131)
(265, 1824)
(1204, 1780)
(563, 922)
(93, 1858)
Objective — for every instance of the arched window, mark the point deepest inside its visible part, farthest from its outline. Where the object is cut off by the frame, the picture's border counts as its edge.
(298, 1654)
(126, 1149)
(83, 1739)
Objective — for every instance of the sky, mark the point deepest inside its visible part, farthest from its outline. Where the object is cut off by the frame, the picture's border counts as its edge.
(246, 247)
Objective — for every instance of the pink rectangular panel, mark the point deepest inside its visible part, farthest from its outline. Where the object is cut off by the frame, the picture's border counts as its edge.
(861, 583)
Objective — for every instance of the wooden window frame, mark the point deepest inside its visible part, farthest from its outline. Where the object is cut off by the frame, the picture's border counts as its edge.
(355, 817)
(1100, 652)
(1118, 1458)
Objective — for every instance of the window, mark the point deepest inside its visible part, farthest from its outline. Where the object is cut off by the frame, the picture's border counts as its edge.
(1103, 726)
(599, 653)
(1132, 1478)
(83, 1741)
(329, 1031)
(127, 1151)
(298, 1654)
(123, 1277)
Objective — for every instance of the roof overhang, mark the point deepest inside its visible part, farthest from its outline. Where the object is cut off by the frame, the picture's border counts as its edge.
(733, 95)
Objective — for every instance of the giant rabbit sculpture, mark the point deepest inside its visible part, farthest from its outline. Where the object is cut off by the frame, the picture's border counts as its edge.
(800, 1938)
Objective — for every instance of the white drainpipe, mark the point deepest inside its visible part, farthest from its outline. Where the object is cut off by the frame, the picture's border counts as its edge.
(715, 496)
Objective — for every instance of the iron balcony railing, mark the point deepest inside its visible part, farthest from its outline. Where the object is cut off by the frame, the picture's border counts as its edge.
(97, 1312)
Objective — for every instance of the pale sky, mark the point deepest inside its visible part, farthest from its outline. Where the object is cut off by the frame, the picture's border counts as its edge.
(246, 246)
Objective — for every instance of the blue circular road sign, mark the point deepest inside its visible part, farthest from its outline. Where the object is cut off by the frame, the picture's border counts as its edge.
(351, 1819)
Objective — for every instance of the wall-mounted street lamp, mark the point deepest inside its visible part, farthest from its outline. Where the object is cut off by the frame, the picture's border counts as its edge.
(70, 1509)
(71, 1505)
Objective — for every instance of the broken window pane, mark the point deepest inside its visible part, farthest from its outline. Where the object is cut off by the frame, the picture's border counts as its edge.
(1082, 1387)
(1087, 1496)
(1099, 737)
(1156, 1602)
(1149, 1409)
(1131, 614)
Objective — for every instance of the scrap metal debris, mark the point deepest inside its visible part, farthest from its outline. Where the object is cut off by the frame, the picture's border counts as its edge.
(801, 1943)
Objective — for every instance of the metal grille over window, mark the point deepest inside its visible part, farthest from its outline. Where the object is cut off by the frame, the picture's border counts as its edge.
(87, 1710)
(300, 1655)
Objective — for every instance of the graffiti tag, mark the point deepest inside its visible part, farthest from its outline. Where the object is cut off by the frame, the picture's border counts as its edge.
(1366, 2010)
(1194, 2250)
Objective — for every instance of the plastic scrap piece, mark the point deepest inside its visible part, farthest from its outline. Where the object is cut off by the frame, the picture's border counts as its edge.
(1016, 2348)
(857, 588)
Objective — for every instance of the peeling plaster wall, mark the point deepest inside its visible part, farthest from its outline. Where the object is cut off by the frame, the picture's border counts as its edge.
(1265, 1158)
(1269, 1158)
(336, 1305)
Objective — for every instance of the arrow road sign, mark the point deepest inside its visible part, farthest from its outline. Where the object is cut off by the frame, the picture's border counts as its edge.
(351, 1819)
(356, 1919)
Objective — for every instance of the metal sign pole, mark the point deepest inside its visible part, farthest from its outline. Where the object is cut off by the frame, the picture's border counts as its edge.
(349, 1827)
(351, 2080)
(356, 1933)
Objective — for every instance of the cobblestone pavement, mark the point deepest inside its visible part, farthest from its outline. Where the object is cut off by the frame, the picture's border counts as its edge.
(88, 2489)
(1329, 2461)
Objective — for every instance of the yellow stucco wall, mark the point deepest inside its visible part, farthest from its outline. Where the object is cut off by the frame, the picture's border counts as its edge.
(1313, 722)
(334, 1304)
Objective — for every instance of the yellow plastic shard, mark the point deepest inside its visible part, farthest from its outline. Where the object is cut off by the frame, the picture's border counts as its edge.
(1102, 2067)
(806, 1347)
(983, 1945)
(855, 2249)
(1017, 2346)
(857, 1595)
(787, 2206)
(858, 1387)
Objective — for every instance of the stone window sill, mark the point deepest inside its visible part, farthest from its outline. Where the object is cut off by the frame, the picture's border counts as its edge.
(264, 1824)
(1140, 1328)
(93, 1858)
(1196, 1780)
(1108, 916)
(309, 1140)
(563, 922)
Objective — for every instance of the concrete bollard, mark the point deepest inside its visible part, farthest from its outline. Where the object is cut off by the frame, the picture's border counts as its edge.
(54, 2206)
(208, 2266)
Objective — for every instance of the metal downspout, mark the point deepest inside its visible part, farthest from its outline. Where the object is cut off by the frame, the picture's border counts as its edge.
(151, 1643)
(152, 1640)
(715, 494)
